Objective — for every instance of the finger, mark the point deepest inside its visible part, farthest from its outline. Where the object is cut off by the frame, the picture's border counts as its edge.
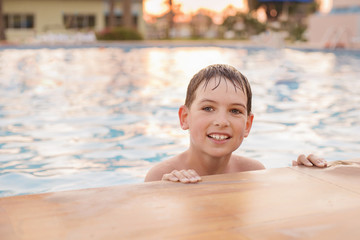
(169, 177)
(188, 175)
(194, 175)
(302, 160)
(180, 175)
(191, 175)
(295, 163)
(325, 163)
(319, 162)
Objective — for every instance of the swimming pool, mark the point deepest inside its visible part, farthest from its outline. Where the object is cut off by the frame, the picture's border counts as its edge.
(80, 117)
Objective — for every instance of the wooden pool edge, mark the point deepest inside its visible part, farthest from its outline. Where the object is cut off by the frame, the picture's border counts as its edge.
(304, 202)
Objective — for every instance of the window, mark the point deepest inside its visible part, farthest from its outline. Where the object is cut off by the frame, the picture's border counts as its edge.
(119, 20)
(19, 20)
(79, 21)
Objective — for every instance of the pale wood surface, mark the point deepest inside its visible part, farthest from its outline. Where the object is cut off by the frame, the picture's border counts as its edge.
(284, 203)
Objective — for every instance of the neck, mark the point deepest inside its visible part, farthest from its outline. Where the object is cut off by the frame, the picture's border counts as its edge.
(204, 164)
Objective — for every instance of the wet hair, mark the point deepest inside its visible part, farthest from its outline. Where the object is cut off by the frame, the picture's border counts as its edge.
(219, 72)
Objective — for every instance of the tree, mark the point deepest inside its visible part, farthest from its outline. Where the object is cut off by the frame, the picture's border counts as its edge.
(127, 14)
(253, 5)
(2, 26)
(112, 19)
(170, 17)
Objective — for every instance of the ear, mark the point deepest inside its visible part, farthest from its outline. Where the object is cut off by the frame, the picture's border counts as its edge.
(249, 122)
(183, 117)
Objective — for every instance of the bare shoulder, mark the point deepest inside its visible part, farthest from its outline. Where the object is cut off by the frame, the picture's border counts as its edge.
(242, 164)
(157, 172)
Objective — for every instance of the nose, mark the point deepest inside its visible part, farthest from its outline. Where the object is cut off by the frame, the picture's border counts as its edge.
(221, 120)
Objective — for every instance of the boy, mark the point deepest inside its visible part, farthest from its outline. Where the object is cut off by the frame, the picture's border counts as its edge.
(217, 113)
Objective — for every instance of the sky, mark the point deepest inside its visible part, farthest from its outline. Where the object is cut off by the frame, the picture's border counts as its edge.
(157, 7)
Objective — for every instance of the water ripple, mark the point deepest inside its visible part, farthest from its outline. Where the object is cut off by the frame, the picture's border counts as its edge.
(89, 117)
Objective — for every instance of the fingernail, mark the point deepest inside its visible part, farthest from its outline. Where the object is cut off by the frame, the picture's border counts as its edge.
(174, 179)
(319, 163)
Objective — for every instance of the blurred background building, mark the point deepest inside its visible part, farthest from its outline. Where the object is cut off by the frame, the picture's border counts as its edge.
(29, 19)
(320, 23)
(338, 26)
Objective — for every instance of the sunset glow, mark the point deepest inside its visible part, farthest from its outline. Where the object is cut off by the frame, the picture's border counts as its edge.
(158, 7)
(155, 7)
(325, 6)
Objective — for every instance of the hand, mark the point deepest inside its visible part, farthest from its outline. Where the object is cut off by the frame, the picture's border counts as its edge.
(184, 176)
(309, 161)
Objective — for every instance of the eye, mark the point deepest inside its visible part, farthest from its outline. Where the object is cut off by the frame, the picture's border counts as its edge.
(208, 109)
(236, 111)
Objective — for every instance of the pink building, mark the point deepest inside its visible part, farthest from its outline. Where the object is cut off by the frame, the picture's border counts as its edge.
(338, 28)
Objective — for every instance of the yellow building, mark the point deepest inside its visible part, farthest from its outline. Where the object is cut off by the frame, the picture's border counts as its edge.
(27, 19)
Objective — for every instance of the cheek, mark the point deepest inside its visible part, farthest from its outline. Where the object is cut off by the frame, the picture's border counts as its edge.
(197, 129)
(240, 126)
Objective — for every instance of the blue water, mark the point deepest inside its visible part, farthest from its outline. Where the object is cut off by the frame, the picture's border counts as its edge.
(84, 117)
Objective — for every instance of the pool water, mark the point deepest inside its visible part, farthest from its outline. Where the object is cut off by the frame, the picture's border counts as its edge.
(85, 117)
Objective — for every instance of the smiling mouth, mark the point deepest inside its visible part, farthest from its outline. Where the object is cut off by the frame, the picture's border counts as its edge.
(218, 137)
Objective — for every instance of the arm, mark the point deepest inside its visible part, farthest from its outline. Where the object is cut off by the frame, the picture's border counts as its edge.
(309, 161)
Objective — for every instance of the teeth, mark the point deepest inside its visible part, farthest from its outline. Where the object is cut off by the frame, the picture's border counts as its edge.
(218, 137)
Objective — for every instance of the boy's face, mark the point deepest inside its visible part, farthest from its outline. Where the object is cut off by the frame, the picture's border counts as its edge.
(217, 119)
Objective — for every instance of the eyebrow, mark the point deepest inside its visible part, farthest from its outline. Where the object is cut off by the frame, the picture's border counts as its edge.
(212, 101)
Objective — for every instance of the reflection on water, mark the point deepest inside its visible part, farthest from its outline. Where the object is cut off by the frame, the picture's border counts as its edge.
(89, 117)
